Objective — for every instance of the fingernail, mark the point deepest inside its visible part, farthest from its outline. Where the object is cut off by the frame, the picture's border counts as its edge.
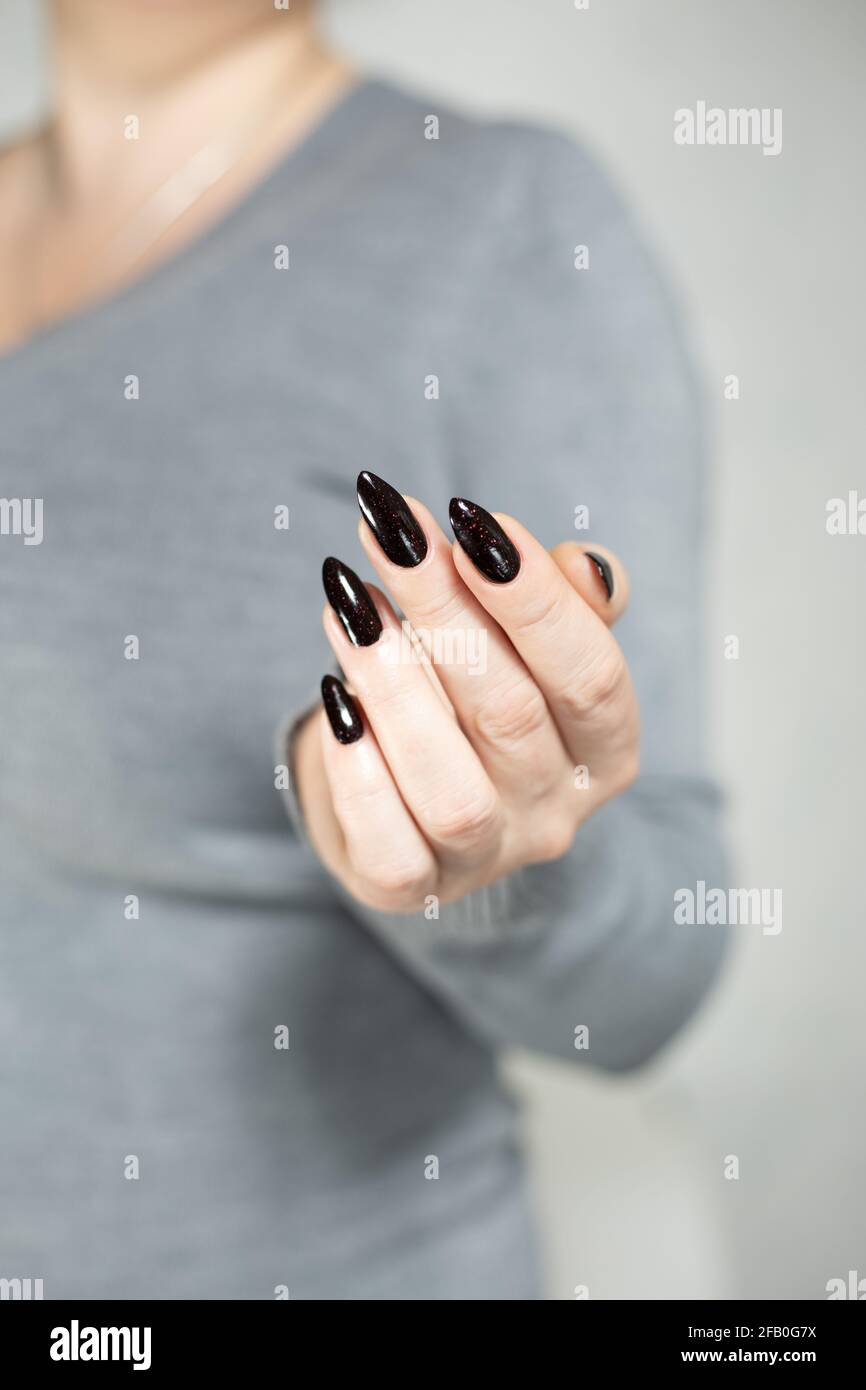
(604, 570)
(391, 521)
(351, 603)
(484, 541)
(341, 710)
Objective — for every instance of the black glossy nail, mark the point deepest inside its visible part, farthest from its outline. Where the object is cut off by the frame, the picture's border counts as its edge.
(484, 541)
(391, 521)
(604, 570)
(351, 603)
(341, 710)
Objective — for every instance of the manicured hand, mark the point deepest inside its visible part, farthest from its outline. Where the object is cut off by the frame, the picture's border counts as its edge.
(482, 739)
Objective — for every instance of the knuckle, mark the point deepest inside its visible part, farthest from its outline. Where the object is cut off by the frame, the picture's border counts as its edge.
(389, 697)
(436, 609)
(555, 840)
(543, 611)
(513, 718)
(463, 822)
(627, 771)
(597, 687)
(397, 886)
(359, 805)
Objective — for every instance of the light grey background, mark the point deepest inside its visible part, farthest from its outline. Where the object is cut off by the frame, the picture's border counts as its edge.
(767, 255)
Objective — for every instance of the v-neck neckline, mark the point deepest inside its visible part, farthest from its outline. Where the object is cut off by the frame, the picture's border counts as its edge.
(165, 275)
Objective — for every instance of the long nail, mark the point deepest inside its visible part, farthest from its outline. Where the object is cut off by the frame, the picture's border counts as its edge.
(604, 570)
(341, 710)
(484, 541)
(351, 603)
(391, 521)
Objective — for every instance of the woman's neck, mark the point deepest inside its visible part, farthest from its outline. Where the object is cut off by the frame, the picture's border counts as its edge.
(138, 88)
(146, 95)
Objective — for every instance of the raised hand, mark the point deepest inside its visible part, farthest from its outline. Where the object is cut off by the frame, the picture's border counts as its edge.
(480, 733)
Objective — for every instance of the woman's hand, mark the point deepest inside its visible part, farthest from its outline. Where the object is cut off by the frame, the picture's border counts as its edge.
(443, 772)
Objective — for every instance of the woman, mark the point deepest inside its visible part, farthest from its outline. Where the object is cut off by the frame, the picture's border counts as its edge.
(242, 1060)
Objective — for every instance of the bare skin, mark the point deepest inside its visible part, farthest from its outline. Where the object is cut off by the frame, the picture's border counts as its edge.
(191, 73)
(459, 778)
(456, 780)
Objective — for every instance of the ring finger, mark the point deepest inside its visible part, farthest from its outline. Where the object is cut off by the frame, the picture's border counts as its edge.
(439, 774)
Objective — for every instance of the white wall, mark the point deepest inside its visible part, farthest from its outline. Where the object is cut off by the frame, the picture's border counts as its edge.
(767, 253)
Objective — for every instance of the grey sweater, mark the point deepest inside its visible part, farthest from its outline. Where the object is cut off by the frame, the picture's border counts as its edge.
(220, 1076)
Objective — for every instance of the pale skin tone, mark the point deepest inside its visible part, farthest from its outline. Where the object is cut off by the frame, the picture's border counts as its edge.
(461, 778)
(458, 779)
(193, 72)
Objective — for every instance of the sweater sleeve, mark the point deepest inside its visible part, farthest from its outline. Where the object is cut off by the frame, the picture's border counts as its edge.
(568, 401)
